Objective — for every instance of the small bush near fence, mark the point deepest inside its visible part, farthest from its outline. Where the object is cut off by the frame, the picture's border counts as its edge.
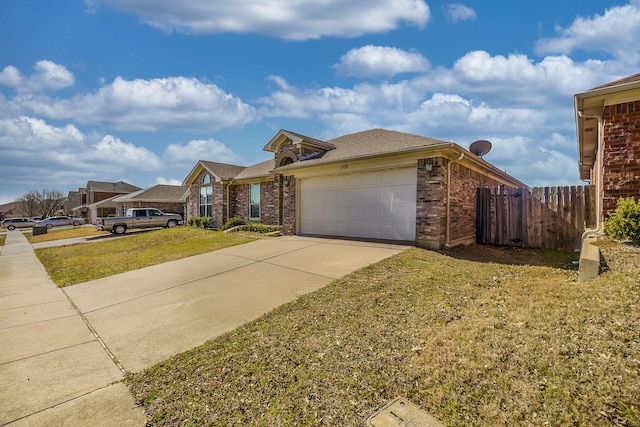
(624, 222)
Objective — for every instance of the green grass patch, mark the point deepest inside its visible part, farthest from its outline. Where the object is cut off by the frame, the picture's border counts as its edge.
(68, 265)
(478, 336)
(65, 233)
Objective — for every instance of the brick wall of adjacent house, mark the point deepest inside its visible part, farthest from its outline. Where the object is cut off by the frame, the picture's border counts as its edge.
(621, 155)
(98, 196)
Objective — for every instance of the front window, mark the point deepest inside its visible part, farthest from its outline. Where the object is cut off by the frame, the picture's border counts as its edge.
(254, 202)
(206, 197)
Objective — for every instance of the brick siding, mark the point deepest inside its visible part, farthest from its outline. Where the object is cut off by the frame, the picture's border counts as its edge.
(621, 155)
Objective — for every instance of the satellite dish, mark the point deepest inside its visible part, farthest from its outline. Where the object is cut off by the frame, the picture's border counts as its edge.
(480, 147)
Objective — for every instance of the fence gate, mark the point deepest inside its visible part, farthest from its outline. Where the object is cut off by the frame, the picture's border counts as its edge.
(542, 217)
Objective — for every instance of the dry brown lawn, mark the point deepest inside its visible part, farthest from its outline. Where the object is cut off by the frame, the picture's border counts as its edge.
(477, 336)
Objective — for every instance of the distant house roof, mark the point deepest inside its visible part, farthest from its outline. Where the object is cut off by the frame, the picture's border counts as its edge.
(111, 187)
(160, 193)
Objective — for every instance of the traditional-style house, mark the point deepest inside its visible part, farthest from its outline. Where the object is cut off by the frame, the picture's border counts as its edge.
(377, 184)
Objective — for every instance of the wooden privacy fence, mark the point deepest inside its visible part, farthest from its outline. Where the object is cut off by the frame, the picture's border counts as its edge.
(543, 217)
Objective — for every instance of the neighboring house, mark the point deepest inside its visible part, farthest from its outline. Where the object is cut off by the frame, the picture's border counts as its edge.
(376, 184)
(608, 128)
(11, 210)
(99, 191)
(72, 200)
(167, 198)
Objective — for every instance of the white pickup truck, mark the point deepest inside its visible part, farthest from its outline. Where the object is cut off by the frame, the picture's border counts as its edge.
(138, 218)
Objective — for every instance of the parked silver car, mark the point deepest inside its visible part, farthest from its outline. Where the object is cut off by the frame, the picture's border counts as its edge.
(56, 221)
(13, 223)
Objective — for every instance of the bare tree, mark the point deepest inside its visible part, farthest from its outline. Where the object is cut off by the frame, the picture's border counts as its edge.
(41, 202)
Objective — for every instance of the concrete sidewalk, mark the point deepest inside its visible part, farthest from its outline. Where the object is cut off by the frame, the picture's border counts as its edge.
(63, 351)
(54, 370)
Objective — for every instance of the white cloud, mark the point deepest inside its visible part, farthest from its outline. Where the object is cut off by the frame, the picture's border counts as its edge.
(202, 149)
(35, 135)
(111, 149)
(459, 12)
(10, 76)
(380, 61)
(168, 181)
(47, 76)
(150, 105)
(288, 19)
(37, 154)
(616, 33)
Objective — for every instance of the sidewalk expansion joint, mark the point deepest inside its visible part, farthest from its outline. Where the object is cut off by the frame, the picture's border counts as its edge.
(95, 333)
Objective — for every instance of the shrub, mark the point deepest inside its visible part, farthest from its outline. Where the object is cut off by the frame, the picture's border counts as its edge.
(233, 222)
(624, 222)
(259, 228)
(199, 221)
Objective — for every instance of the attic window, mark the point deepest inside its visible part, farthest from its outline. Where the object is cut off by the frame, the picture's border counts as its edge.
(313, 155)
(286, 161)
(206, 179)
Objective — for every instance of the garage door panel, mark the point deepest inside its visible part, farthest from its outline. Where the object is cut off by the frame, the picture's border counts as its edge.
(370, 205)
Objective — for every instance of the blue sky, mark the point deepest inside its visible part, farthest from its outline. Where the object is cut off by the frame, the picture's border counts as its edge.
(140, 90)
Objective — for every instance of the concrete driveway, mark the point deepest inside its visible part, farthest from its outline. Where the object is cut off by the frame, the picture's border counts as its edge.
(148, 315)
(63, 352)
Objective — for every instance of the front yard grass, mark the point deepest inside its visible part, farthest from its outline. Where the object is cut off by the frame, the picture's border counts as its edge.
(68, 265)
(479, 336)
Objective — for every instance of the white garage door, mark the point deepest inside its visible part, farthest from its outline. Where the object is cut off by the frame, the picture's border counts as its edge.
(379, 205)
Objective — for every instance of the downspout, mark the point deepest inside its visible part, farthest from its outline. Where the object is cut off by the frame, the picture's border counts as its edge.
(600, 159)
(449, 195)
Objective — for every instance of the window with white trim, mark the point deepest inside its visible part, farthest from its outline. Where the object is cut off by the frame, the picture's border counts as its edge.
(254, 202)
(206, 196)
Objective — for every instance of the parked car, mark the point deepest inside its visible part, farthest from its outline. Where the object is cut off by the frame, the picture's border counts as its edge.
(56, 221)
(13, 223)
(139, 218)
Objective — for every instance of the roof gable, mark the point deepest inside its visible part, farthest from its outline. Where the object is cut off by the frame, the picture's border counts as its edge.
(219, 171)
(298, 139)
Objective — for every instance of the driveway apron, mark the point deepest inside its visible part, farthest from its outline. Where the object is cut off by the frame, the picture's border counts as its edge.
(54, 370)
